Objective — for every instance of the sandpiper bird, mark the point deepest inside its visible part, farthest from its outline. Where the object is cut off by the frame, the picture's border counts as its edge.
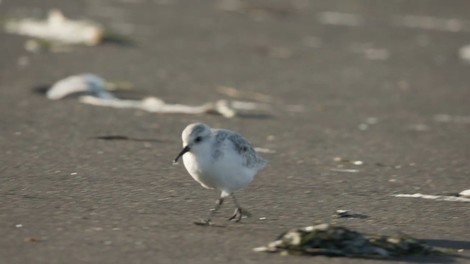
(219, 159)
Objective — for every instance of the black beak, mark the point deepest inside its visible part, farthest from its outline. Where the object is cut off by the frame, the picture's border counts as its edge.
(184, 150)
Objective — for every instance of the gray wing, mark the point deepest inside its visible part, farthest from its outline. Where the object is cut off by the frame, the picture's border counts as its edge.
(241, 146)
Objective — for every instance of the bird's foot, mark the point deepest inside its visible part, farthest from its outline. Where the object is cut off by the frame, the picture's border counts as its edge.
(238, 214)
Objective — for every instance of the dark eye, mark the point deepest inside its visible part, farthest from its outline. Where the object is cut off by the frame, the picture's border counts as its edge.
(198, 139)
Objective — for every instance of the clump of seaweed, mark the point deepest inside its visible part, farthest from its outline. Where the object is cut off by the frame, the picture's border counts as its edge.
(330, 240)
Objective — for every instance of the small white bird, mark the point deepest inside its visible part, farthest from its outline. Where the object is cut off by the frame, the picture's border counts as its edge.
(219, 159)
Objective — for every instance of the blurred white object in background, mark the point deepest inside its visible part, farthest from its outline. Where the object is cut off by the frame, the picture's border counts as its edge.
(84, 83)
(58, 28)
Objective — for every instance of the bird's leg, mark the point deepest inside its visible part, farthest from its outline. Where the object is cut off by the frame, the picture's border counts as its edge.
(212, 211)
(239, 212)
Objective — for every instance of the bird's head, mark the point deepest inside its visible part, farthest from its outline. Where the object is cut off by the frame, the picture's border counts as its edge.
(195, 136)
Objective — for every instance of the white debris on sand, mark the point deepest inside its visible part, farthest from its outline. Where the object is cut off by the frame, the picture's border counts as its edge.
(340, 19)
(156, 105)
(354, 162)
(464, 53)
(434, 197)
(58, 28)
(237, 93)
(445, 118)
(370, 121)
(83, 83)
(95, 90)
(432, 23)
(465, 193)
(345, 170)
(264, 150)
(244, 105)
(418, 127)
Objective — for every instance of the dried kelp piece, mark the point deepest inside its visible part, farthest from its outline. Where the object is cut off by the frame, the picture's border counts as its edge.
(348, 214)
(330, 240)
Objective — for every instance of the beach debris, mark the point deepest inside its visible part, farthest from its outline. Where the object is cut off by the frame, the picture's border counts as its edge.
(263, 102)
(264, 150)
(432, 23)
(369, 52)
(369, 121)
(445, 118)
(156, 105)
(417, 127)
(340, 19)
(354, 162)
(342, 161)
(464, 53)
(465, 193)
(57, 28)
(331, 240)
(95, 90)
(256, 11)
(80, 84)
(344, 170)
(32, 239)
(348, 214)
(244, 105)
(237, 93)
(449, 198)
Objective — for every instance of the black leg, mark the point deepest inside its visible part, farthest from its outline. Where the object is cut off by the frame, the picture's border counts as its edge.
(239, 212)
(237, 215)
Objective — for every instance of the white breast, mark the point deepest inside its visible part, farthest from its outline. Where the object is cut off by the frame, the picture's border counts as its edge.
(227, 173)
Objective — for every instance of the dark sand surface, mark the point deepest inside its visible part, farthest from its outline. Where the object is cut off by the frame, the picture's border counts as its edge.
(67, 197)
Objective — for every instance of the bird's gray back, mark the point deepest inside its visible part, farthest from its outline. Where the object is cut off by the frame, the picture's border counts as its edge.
(241, 146)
